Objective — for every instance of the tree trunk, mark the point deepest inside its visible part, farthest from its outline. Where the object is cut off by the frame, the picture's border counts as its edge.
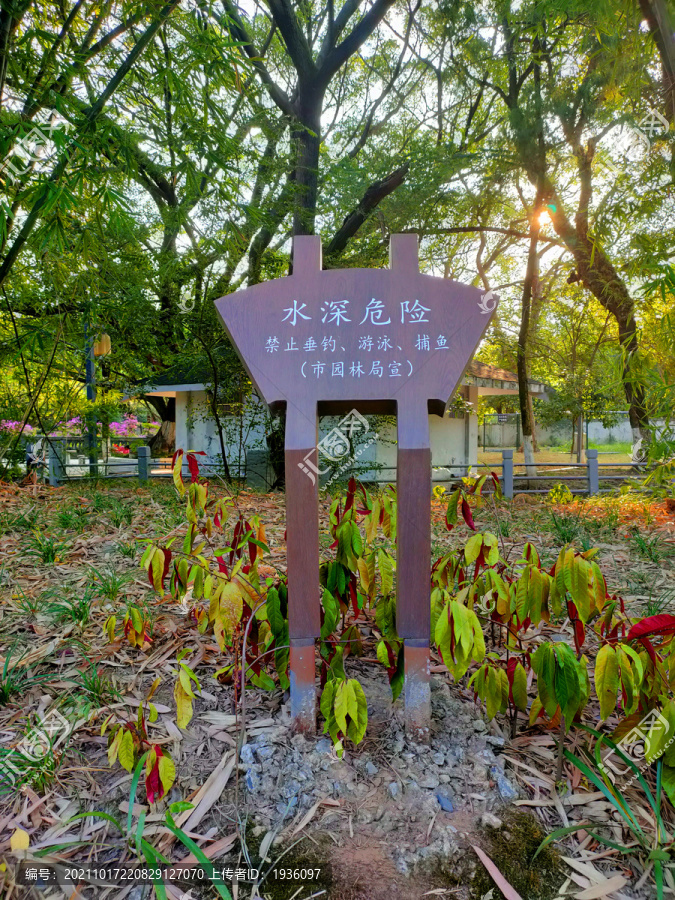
(662, 26)
(529, 288)
(164, 441)
(599, 276)
(306, 137)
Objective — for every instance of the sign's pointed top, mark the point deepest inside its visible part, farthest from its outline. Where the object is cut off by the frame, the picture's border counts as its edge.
(307, 255)
(403, 253)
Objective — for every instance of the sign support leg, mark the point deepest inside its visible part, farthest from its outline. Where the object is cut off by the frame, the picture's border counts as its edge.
(302, 546)
(413, 551)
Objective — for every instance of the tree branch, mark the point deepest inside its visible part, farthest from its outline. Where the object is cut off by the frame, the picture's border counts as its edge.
(372, 197)
(235, 26)
(339, 55)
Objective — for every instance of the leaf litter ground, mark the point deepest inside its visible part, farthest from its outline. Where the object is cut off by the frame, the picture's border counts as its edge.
(391, 819)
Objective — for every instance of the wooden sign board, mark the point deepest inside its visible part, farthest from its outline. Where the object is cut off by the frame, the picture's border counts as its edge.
(372, 340)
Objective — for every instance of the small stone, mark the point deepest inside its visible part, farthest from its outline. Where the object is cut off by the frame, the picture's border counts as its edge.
(402, 866)
(430, 781)
(506, 790)
(251, 782)
(371, 768)
(439, 759)
(393, 790)
(444, 778)
(444, 801)
(246, 755)
(323, 746)
(479, 725)
(495, 741)
(488, 820)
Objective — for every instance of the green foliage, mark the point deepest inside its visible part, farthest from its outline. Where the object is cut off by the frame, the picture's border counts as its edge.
(560, 494)
(99, 688)
(16, 677)
(27, 604)
(108, 584)
(651, 547)
(75, 609)
(47, 548)
(73, 519)
(651, 837)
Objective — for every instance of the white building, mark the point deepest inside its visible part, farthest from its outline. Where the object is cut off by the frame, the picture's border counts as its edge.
(454, 437)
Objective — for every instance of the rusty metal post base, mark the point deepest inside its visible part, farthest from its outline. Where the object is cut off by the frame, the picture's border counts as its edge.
(417, 689)
(303, 685)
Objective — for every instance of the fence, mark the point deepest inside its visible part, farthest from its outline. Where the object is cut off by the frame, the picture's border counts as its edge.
(590, 477)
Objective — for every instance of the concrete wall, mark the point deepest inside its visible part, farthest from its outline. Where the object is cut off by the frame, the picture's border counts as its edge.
(196, 430)
(504, 435)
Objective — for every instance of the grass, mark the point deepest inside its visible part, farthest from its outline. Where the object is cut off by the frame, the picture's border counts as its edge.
(36, 766)
(120, 513)
(72, 609)
(24, 521)
(98, 686)
(664, 602)
(47, 548)
(109, 584)
(127, 549)
(27, 604)
(73, 519)
(651, 547)
(16, 679)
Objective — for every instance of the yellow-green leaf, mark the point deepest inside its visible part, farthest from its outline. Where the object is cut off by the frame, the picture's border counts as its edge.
(606, 679)
(167, 772)
(183, 705)
(519, 688)
(126, 750)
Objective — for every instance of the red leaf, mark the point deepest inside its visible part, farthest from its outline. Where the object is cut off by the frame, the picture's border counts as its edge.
(153, 784)
(193, 467)
(222, 566)
(647, 644)
(167, 563)
(466, 512)
(660, 624)
(579, 634)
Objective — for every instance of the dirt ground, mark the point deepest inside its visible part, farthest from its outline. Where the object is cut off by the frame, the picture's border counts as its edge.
(392, 819)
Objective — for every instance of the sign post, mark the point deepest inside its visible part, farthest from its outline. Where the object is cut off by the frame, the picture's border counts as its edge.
(389, 341)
